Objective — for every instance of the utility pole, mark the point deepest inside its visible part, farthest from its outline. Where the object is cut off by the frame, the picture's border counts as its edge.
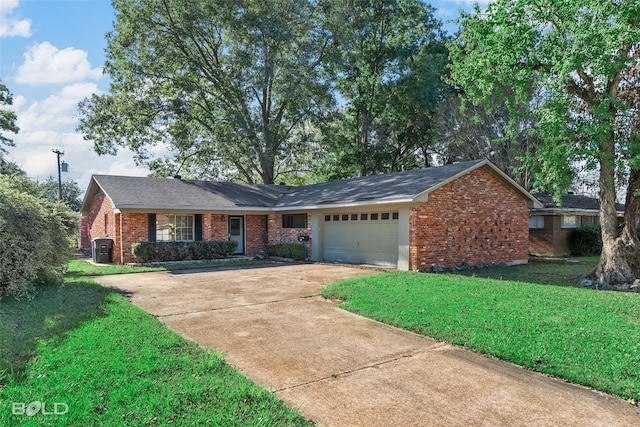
(59, 153)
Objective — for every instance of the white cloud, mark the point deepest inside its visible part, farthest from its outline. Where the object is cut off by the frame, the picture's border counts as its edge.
(11, 26)
(51, 122)
(46, 64)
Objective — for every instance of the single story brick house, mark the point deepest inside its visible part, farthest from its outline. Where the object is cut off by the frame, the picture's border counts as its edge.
(551, 226)
(445, 216)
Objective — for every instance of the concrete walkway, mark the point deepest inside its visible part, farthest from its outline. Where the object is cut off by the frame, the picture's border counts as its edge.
(341, 369)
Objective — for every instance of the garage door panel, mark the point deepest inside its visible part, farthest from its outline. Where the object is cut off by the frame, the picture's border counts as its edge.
(360, 242)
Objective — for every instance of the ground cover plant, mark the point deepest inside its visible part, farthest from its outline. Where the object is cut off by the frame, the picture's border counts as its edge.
(106, 362)
(584, 336)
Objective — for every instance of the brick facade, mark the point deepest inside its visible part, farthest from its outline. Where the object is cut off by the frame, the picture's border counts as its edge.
(553, 240)
(475, 219)
(102, 222)
(256, 235)
(278, 234)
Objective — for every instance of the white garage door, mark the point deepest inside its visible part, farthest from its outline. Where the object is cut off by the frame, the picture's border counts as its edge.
(361, 238)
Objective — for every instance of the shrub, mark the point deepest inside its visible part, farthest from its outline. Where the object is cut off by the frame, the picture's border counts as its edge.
(586, 240)
(35, 237)
(182, 251)
(286, 250)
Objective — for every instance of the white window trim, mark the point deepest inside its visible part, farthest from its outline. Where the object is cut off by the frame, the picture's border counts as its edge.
(564, 224)
(172, 221)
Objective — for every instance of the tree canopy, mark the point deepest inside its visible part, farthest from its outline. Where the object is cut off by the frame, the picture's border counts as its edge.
(390, 60)
(224, 84)
(583, 54)
(7, 119)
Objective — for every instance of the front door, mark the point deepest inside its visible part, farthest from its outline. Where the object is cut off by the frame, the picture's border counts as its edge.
(236, 232)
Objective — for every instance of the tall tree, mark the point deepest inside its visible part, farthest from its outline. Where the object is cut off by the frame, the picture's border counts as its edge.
(222, 84)
(580, 51)
(474, 132)
(70, 192)
(7, 119)
(391, 57)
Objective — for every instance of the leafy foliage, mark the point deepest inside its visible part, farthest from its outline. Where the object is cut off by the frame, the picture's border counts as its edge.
(35, 237)
(182, 251)
(582, 55)
(223, 84)
(464, 131)
(586, 240)
(391, 57)
(70, 192)
(286, 250)
(7, 119)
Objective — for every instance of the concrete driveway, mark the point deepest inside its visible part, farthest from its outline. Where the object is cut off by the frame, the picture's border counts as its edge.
(341, 369)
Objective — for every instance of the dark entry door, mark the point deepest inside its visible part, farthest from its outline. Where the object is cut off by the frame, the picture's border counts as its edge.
(236, 232)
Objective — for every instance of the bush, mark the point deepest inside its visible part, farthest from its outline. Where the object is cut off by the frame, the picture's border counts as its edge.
(182, 251)
(586, 240)
(35, 237)
(286, 250)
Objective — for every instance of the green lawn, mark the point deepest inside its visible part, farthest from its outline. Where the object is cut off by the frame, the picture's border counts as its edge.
(113, 364)
(548, 271)
(582, 335)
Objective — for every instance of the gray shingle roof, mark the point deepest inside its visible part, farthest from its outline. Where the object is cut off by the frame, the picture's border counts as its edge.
(158, 193)
(572, 201)
(389, 187)
(139, 193)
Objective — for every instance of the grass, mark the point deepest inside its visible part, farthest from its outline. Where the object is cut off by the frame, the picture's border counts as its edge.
(547, 271)
(81, 268)
(78, 268)
(111, 363)
(584, 336)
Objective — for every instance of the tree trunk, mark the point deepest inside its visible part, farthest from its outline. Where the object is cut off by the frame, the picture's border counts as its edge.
(620, 258)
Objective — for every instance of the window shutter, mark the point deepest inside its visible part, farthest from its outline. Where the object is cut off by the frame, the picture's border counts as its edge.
(152, 227)
(198, 228)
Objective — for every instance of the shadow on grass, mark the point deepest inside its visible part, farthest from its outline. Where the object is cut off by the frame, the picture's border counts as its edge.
(559, 272)
(54, 310)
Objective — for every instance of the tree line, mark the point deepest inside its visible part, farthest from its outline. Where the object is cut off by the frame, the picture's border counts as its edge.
(285, 90)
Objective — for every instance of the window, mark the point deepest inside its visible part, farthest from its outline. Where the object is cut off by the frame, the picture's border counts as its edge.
(345, 217)
(336, 217)
(569, 221)
(106, 224)
(327, 217)
(354, 217)
(374, 217)
(394, 215)
(174, 227)
(294, 221)
(364, 217)
(536, 221)
(384, 215)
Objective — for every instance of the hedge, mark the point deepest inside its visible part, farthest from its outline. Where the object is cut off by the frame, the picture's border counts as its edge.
(35, 237)
(286, 250)
(183, 251)
(586, 240)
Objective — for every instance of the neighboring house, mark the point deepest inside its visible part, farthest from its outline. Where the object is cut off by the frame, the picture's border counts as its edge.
(444, 216)
(550, 227)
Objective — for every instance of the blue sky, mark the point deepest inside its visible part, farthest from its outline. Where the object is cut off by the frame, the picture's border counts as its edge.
(51, 57)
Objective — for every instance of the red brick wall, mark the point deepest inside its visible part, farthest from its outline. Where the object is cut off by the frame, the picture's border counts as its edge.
(541, 240)
(277, 234)
(476, 219)
(256, 235)
(215, 227)
(101, 222)
(134, 229)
